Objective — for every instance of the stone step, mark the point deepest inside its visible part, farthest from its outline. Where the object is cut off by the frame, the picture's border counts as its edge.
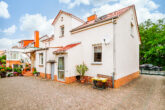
(28, 73)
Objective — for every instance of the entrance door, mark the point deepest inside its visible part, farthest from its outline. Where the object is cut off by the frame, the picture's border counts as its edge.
(61, 71)
(52, 71)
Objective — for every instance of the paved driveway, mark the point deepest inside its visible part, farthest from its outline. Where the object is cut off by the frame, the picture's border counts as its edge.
(30, 93)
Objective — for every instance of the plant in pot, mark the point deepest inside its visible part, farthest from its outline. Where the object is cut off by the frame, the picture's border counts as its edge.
(3, 72)
(19, 71)
(16, 72)
(82, 69)
(35, 73)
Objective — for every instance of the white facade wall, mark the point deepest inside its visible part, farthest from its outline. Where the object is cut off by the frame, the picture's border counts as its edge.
(127, 47)
(88, 38)
(40, 68)
(47, 55)
(84, 52)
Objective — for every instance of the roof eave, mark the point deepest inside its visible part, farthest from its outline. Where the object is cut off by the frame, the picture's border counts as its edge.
(115, 17)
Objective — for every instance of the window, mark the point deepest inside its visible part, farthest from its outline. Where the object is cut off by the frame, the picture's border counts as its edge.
(97, 53)
(14, 55)
(62, 31)
(41, 59)
(62, 19)
(132, 29)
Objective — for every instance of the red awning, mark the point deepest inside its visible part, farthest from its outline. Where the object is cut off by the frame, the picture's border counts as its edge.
(66, 48)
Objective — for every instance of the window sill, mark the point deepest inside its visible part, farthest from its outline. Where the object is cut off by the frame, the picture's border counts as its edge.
(132, 36)
(61, 36)
(41, 65)
(96, 63)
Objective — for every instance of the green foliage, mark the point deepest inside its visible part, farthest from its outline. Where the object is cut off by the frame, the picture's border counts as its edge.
(81, 69)
(3, 59)
(18, 70)
(9, 69)
(152, 49)
(35, 71)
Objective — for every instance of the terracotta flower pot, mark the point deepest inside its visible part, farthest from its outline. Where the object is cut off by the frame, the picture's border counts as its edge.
(83, 80)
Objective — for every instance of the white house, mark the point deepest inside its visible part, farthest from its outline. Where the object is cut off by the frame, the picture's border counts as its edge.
(108, 45)
(15, 57)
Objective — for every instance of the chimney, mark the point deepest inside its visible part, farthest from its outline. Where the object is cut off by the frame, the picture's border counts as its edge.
(92, 17)
(36, 39)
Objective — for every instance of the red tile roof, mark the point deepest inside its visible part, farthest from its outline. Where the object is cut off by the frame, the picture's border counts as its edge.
(69, 14)
(67, 47)
(107, 17)
(104, 18)
(48, 39)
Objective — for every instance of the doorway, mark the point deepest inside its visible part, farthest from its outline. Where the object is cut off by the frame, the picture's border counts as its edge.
(52, 71)
(61, 68)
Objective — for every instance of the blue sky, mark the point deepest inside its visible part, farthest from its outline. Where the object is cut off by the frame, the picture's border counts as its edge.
(19, 18)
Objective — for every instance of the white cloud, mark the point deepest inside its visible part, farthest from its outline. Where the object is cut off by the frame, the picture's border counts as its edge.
(73, 3)
(146, 9)
(11, 30)
(30, 23)
(7, 43)
(64, 1)
(78, 2)
(3, 10)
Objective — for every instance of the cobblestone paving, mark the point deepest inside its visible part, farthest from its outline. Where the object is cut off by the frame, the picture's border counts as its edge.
(30, 93)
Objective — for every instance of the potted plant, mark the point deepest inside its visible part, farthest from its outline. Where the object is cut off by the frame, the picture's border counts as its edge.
(19, 71)
(82, 69)
(35, 73)
(3, 73)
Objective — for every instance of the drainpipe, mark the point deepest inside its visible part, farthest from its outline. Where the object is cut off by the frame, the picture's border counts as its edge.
(114, 53)
(45, 62)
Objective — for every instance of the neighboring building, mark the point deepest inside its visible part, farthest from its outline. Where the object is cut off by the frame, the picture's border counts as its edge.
(24, 43)
(16, 56)
(2, 53)
(108, 45)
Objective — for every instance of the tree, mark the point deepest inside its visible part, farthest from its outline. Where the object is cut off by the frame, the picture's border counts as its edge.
(152, 49)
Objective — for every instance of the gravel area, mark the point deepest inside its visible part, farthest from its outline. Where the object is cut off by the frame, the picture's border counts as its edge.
(30, 93)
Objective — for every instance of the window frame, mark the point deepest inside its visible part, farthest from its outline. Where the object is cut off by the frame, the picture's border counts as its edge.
(62, 32)
(41, 59)
(95, 61)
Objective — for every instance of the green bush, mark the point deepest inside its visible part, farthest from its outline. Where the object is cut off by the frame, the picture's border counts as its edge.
(18, 70)
(9, 69)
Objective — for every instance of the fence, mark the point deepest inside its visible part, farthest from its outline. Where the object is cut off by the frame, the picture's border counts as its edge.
(152, 72)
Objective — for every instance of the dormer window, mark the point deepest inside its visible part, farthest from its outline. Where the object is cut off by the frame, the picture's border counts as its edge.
(62, 30)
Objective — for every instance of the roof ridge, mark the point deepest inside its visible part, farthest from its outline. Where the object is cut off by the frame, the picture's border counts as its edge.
(61, 11)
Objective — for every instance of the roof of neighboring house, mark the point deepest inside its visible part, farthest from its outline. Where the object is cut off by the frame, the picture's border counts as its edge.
(48, 39)
(104, 18)
(44, 37)
(66, 47)
(15, 46)
(2, 52)
(69, 14)
(25, 40)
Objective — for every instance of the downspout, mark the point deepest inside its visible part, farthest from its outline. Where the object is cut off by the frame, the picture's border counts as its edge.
(45, 62)
(114, 53)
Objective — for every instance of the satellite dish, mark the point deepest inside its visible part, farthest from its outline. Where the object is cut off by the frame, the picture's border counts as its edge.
(106, 39)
